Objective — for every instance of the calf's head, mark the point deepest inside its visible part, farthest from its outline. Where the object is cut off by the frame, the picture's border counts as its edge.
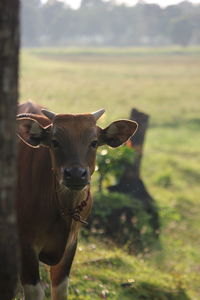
(73, 141)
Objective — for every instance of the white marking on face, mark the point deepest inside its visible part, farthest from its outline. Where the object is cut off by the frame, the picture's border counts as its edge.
(33, 292)
(60, 291)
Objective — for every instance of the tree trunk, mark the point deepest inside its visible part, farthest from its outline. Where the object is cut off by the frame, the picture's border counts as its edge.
(9, 49)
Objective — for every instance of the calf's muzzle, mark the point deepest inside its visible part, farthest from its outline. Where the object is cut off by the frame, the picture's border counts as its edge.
(76, 178)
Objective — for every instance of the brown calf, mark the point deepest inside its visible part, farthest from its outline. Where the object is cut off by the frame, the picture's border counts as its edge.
(56, 160)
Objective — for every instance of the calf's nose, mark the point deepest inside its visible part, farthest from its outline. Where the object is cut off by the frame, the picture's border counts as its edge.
(76, 177)
(75, 173)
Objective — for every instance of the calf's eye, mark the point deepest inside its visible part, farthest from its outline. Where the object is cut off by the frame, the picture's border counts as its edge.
(55, 143)
(94, 144)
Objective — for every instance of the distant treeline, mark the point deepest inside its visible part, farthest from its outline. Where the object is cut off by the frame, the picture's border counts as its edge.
(99, 23)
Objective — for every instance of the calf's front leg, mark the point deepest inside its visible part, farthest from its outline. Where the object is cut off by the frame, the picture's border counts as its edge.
(30, 277)
(60, 274)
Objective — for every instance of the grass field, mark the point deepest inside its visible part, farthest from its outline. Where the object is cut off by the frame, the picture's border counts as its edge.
(165, 83)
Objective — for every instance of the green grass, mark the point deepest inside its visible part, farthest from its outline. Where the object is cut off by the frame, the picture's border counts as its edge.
(120, 276)
(165, 83)
(137, 51)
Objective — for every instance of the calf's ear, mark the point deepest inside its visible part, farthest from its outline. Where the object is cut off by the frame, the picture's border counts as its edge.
(32, 133)
(117, 133)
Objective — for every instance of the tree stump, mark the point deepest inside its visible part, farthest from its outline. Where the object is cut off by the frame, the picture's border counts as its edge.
(131, 182)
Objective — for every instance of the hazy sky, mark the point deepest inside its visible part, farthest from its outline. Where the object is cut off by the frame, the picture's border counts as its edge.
(76, 3)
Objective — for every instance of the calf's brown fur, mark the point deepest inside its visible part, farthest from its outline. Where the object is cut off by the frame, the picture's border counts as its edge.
(56, 160)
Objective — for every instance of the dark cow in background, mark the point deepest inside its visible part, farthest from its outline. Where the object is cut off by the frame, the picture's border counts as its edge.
(56, 160)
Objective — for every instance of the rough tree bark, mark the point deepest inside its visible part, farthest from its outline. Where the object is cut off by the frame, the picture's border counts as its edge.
(9, 49)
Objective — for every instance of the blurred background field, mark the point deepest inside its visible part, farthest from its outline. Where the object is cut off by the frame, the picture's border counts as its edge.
(164, 83)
